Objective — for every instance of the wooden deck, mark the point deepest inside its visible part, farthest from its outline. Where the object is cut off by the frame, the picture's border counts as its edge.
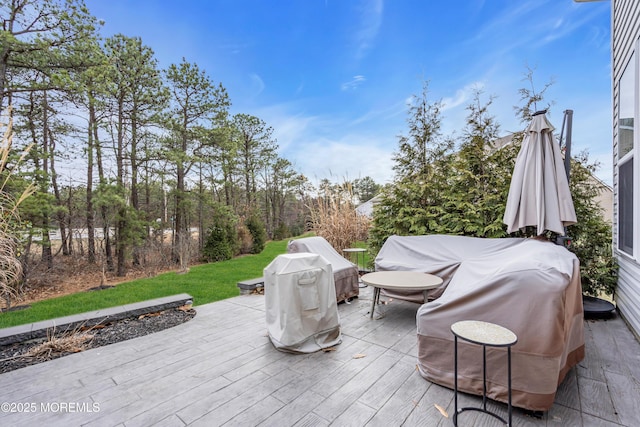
(221, 369)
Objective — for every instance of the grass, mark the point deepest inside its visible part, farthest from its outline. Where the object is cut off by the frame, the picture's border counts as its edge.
(205, 283)
(364, 259)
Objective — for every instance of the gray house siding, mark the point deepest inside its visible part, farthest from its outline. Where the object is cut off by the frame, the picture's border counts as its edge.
(628, 293)
(625, 34)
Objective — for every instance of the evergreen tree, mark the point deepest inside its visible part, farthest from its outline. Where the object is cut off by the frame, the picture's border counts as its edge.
(222, 239)
(195, 103)
(465, 193)
(474, 204)
(413, 203)
(258, 232)
(45, 37)
(365, 188)
(591, 235)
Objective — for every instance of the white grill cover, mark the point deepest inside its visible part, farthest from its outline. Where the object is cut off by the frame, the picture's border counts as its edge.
(300, 298)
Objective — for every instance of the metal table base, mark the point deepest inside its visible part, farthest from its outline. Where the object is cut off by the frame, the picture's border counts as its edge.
(508, 339)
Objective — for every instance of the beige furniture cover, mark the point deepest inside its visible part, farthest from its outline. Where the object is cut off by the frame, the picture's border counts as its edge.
(300, 302)
(528, 286)
(345, 273)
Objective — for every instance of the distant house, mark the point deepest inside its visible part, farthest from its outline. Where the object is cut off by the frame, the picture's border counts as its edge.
(366, 208)
(625, 46)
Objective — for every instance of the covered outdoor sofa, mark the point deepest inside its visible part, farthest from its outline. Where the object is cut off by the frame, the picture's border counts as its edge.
(529, 286)
(345, 273)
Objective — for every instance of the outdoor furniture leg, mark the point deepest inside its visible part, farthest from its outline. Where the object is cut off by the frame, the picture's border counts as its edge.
(484, 377)
(476, 332)
(376, 297)
(509, 381)
(455, 380)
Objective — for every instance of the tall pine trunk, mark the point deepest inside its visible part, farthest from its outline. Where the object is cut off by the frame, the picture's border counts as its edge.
(91, 243)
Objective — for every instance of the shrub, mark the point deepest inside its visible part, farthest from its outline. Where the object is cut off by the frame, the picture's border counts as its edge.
(334, 217)
(222, 237)
(10, 265)
(282, 232)
(258, 232)
(437, 191)
(591, 237)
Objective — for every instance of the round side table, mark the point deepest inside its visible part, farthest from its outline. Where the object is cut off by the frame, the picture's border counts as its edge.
(356, 251)
(487, 335)
(348, 252)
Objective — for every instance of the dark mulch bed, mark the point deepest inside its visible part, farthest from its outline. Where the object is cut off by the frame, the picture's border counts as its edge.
(14, 356)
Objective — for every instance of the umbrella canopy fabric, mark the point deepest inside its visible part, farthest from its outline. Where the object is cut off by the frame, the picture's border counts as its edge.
(539, 193)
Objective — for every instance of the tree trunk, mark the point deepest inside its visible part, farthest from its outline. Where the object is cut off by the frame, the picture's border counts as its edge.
(182, 227)
(121, 224)
(103, 210)
(135, 203)
(47, 255)
(179, 232)
(200, 212)
(91, 244)
(68, 217)
(4, 57)
(56, 191)
(147, 202)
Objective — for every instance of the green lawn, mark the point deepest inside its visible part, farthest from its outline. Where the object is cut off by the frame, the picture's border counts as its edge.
(205, 283)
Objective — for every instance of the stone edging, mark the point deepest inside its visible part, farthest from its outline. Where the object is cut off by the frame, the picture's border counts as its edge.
(30, 331)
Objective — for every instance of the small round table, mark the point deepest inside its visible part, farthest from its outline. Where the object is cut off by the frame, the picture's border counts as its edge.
(356, 251)
(487, 335)
(403, 280)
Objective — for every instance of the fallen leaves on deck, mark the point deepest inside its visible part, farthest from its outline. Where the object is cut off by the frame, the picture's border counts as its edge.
(442, 410)
(359, 356)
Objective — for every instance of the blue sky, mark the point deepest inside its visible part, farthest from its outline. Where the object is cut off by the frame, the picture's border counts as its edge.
(333, 77)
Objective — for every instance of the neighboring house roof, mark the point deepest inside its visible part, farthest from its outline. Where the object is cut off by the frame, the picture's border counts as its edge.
(503, 141)
(366, 208)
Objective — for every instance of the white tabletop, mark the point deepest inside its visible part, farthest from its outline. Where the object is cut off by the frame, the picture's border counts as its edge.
(408, 280)
(480, 332)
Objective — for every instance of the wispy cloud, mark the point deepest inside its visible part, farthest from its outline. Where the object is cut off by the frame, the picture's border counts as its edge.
(328, 146)
(370, 21)
(564, 18)
(389, 112)
(290, 129)
(235, 47)
(257, 84)
(462, 96)
(349, 157)
(563, 27)
(353, 83)
(501, 25)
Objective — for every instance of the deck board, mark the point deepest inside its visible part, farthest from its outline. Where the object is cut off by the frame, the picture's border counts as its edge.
(221, 369)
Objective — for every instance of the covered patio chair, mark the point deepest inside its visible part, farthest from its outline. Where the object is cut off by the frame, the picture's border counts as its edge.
(345, 273)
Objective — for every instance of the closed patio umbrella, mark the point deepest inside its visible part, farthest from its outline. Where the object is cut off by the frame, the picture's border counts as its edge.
(539, 192)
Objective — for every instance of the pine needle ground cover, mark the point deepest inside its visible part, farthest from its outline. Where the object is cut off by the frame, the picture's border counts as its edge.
(205, 283)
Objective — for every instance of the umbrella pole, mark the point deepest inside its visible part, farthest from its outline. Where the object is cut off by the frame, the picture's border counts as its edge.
(568, 122)
(568, 118)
